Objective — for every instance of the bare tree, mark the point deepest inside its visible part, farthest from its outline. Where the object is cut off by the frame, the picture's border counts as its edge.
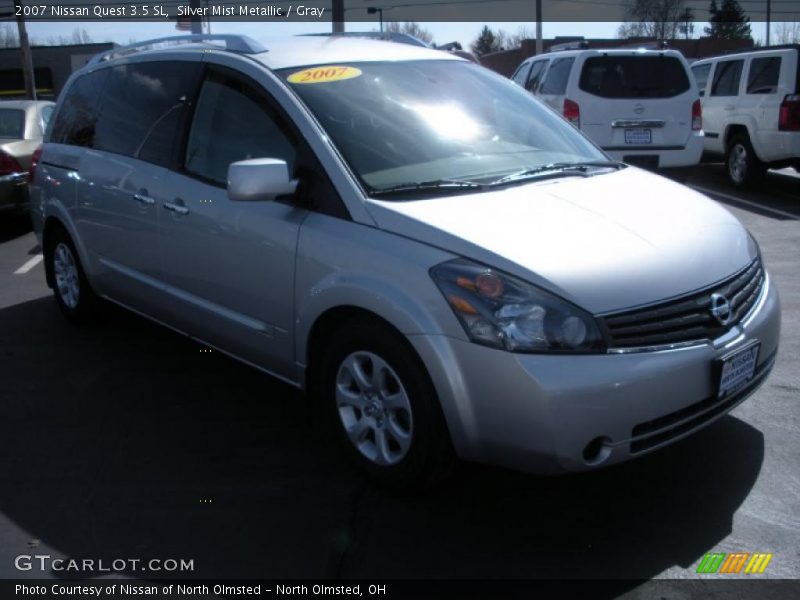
(410, 28)
(659, 19)
(787, 33)
(9, 38)
(510, 41)
(78, 36)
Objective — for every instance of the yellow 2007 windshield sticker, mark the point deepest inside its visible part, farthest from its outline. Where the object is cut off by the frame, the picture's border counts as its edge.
(324, 74)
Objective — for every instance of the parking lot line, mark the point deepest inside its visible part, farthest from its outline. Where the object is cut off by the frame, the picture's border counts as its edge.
(733, 198)
(29, 264)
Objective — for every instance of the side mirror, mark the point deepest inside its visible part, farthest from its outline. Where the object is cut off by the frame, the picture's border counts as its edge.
(259, 179)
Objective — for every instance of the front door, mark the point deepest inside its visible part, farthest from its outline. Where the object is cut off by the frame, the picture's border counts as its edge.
(229, 266)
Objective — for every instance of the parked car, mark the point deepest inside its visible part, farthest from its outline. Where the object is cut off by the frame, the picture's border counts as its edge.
(640, 106)
(22, 125)
(443, 263)
(751, 109)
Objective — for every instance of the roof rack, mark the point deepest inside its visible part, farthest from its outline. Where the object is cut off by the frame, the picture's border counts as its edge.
(233, 43)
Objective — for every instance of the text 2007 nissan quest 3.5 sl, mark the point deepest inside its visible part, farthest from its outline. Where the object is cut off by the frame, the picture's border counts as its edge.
(444, 264)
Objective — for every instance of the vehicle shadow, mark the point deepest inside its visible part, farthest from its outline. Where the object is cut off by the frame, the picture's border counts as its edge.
(776, 197)
(128, 441)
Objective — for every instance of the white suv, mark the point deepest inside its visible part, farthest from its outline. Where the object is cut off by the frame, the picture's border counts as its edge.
(640, 106)
(752, 110)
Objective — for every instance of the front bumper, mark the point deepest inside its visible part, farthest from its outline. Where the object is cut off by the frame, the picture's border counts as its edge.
(539, 413)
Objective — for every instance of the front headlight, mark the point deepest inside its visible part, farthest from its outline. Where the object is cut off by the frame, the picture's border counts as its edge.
(499, 310)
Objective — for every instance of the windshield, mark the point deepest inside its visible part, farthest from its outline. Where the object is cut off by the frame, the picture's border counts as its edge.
(12, 123)
(417, 122)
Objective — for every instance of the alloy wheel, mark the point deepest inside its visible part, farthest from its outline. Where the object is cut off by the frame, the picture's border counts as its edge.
(66, 272)
(374, 408)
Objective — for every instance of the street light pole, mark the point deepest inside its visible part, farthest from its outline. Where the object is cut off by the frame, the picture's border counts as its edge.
(337, 15)
(769, 14)
(25, 51)
(197, 20)
(539, 40)
(372, 10)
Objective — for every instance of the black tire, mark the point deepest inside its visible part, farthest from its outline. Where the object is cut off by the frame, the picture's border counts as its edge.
(81, 307)
(429, 457)
(741, 163)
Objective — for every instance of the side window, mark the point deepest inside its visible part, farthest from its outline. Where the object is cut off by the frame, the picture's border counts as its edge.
(521, 74)
(557, 76)
(700, 73)
(47, 112)
(536, 75)
(763, 75)
(76, 120)
(232, 122)
(726, 78)
(142, 109)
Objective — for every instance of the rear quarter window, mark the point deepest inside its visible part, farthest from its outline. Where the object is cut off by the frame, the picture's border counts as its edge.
(555, 81)
(637, 77)
(764, 74)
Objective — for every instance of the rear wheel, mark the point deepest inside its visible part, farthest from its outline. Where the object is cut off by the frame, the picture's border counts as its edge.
(72, 291)
(744, 168)
(381, 407)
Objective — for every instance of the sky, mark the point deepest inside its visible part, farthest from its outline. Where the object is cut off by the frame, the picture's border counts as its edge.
(463, 32)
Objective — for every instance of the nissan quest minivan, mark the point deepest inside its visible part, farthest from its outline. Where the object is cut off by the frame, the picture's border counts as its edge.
(446, 266)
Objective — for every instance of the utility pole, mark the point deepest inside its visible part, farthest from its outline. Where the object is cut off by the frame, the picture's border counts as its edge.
(769, 14)
(337, 16)
(25, 51)
(197, 20)
(539, 40)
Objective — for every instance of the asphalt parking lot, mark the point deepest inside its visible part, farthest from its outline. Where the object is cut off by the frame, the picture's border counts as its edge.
(128, 441)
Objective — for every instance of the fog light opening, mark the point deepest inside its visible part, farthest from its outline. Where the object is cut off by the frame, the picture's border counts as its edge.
(597, 451)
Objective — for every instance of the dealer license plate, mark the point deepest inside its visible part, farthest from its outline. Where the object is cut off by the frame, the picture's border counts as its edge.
(737, 369)
(638, 136)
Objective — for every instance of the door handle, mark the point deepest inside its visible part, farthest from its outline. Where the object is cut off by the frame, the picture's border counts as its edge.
(176, 208)
(144, 200)
(729, 107)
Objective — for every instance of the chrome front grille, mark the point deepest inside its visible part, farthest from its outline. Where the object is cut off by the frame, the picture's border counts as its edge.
(687, 318)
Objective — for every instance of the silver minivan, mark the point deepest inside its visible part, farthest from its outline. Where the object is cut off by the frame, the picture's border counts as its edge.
(445, 265)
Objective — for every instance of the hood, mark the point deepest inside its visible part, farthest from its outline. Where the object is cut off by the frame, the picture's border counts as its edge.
(608, 242)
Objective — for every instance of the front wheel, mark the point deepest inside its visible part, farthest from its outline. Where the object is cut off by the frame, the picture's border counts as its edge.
(381, 406)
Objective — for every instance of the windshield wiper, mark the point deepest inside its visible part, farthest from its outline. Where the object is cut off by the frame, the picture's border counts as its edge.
(436, 185)
(556, 169)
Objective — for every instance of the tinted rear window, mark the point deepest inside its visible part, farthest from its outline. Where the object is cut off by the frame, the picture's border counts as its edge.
(634, 77)
(555, 82)
(12, 123)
